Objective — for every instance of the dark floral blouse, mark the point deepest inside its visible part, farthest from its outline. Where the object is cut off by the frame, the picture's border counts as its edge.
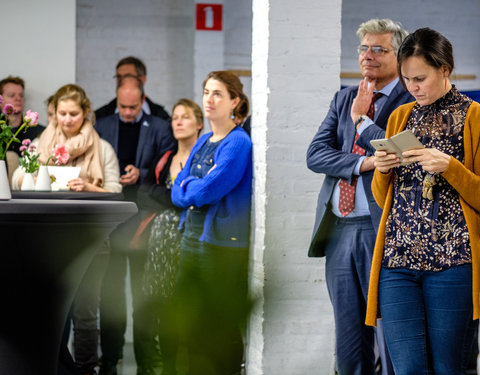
(423, 234)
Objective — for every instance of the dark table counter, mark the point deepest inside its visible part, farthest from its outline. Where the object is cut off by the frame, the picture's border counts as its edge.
(67, 195)
(46, 246)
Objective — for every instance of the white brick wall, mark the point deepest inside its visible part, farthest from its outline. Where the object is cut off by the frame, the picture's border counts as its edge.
(159, 32)
(295, 67)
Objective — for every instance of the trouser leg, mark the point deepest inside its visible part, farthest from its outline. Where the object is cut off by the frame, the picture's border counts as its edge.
(213, 306)
(85, 313)
(113, 308)
(428, 319)
(66, 365)
(145, 347)
(383, 355)
(167, 335)
(348, 260)
(449, 311)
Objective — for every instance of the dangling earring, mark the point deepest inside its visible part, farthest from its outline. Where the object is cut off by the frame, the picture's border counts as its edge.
(445, 77)
(232, 116)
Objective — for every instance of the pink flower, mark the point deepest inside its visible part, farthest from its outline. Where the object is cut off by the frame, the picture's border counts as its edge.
(8, 109)
(31, 118)
(61, 154)
(7, 136)
(29, 160)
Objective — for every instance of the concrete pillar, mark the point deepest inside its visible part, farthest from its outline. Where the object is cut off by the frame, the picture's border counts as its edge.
(295, 71)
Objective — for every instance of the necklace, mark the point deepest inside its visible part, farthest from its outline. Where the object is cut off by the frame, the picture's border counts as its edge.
(428, 183)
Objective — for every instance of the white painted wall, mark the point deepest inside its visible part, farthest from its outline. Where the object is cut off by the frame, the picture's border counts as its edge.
(38, 44)
(160, 32)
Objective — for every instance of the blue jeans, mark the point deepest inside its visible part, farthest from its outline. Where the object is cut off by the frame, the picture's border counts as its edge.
(427, 318)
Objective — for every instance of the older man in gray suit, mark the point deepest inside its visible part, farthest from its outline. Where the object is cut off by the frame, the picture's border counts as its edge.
(347, 215)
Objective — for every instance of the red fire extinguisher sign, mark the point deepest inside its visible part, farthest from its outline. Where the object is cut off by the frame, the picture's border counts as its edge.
(209, 17)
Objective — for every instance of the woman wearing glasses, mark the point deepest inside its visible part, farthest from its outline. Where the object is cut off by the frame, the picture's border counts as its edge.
(424, 278)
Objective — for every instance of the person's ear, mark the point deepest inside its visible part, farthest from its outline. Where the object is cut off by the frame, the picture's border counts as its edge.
(446, 71)
(235, 102)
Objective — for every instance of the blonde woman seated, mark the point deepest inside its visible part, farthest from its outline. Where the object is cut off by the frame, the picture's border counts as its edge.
(73, 128)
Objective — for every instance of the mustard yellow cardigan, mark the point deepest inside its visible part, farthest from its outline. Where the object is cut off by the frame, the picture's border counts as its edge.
(464, 178)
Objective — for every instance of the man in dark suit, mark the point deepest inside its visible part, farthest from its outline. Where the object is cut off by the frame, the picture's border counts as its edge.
(133, 66)
(347, 216)
(137, 139)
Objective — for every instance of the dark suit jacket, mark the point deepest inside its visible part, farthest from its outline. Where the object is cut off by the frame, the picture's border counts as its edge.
(330, 153)
(155, 139)
(109, 109)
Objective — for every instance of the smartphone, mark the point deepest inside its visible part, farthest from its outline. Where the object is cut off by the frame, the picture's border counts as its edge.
(397, 144)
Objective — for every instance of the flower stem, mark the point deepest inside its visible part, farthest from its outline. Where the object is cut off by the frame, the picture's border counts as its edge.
(11, 140)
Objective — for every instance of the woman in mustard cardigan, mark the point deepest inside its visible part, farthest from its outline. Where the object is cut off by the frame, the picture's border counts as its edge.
(424, 279)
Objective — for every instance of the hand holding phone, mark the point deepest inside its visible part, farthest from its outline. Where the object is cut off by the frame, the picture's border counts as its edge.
(397, 144)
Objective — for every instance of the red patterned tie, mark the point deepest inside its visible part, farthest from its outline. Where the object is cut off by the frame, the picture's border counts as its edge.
(371, 110)
(347, 191)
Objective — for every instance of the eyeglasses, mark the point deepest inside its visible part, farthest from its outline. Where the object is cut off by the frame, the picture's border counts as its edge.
(376, 50)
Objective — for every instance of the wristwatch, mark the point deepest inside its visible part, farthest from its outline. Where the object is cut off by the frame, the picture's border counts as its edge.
(360, 119)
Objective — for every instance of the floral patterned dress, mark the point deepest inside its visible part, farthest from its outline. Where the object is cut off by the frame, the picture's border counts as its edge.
(429, 234)
(163, 251)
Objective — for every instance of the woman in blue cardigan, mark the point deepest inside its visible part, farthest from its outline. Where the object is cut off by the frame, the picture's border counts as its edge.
(214, 190)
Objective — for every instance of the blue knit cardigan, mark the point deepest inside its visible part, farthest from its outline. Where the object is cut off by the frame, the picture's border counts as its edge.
(226, 190)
